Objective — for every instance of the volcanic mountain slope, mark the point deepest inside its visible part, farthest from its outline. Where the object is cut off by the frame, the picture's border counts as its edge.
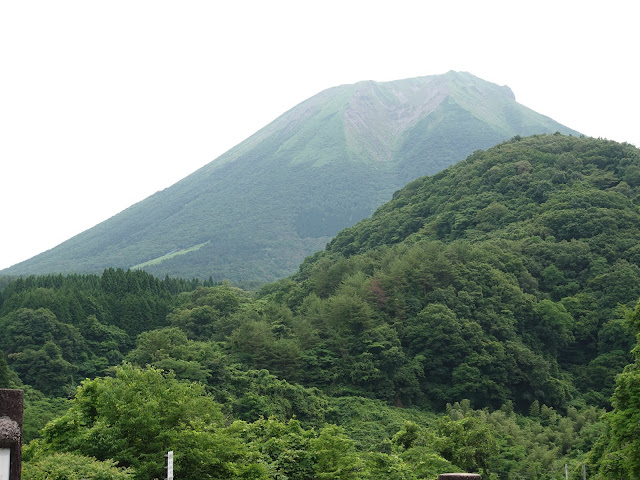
(255, 212)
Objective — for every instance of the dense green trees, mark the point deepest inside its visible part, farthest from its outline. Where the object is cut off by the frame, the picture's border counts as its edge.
(131, 419)
(6, 380)
(43, 351)
(69, 466)
(58, 330)
(539, 250)
(476, 322)
(617, 453)
(137, 416)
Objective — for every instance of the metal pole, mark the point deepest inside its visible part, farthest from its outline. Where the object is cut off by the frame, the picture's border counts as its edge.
(566, 472)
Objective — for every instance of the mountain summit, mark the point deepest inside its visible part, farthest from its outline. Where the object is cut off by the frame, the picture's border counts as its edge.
(256, 211)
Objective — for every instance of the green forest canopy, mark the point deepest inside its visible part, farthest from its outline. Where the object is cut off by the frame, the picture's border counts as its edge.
(493, 302)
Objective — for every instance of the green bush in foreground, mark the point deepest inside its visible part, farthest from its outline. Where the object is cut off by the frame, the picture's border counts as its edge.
(69, 466)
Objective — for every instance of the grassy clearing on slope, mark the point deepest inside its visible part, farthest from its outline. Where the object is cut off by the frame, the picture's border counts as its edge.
(169, 255)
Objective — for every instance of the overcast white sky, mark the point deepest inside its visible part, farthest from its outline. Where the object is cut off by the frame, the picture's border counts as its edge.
(104, 103)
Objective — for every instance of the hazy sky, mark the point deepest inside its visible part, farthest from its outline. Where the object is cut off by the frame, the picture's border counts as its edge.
(104, 103)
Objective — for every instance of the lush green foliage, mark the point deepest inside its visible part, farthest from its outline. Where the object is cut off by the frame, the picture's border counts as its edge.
(137, 415)
(511, 265)
(69, 466)
(477, 322)
(255, 213)
(617, 453)
(58, 330)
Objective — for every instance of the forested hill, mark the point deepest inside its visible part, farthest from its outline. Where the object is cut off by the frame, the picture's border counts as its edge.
(476, 322)
(256, 212)
(497, 279)
(571, 188)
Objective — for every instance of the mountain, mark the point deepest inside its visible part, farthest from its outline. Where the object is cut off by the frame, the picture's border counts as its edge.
(255, 212)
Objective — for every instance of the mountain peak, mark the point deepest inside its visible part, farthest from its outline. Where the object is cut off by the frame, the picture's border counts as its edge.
(255, 212)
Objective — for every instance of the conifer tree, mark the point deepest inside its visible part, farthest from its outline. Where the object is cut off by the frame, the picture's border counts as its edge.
(5, 380)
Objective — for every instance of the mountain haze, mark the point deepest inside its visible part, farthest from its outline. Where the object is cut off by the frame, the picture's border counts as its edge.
(255, 212)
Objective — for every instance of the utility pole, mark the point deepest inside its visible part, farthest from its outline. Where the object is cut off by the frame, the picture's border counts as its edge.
(566, 472)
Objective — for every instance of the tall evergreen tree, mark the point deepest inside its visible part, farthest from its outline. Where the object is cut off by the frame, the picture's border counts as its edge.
(5, 378)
